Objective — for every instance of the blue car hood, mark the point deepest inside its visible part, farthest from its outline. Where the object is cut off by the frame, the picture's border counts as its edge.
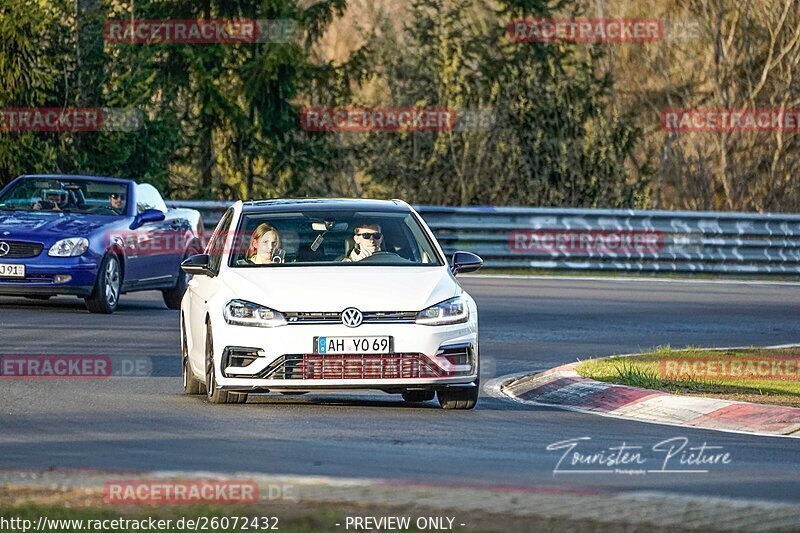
(49, 227)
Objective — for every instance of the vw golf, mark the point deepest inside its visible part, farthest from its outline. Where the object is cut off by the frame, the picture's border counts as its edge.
(307, 295)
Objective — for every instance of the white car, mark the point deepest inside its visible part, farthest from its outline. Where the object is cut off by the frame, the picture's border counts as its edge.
(295, 296)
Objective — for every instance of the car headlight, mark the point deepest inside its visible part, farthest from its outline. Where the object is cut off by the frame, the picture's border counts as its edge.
(72, 247)
(242, 313)
(450, 311)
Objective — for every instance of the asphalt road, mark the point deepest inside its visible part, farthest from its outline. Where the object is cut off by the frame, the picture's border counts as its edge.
(145, 423)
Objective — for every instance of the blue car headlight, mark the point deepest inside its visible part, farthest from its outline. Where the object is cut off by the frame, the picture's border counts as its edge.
(242, 313)
(452, 311)
(72, 247)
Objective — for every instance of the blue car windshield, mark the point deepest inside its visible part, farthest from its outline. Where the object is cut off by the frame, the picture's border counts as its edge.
(66, 195)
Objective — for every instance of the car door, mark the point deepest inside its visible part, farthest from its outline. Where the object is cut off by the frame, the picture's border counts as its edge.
(201, 288)
(149, 252)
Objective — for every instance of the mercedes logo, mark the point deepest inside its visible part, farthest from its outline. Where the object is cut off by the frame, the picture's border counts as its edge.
(352, 317)
(5, 248)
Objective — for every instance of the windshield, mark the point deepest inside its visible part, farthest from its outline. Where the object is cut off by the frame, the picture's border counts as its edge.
(329, 238)
(66, 195)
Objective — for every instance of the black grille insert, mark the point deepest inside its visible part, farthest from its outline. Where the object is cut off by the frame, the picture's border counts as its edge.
(20, 249)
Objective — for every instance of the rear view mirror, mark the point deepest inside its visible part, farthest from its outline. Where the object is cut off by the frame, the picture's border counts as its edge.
(198, 265)
(146, 216)
(329, 225)
(464, 262)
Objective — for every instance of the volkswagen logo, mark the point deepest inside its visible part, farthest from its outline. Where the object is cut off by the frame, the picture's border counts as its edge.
(352, 317)
(5, 248)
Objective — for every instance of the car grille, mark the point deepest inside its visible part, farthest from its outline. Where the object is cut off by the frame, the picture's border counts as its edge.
(370, 317)
(368, 366)
(21, 249)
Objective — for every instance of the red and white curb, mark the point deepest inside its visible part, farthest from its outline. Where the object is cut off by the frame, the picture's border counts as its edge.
(563, 387)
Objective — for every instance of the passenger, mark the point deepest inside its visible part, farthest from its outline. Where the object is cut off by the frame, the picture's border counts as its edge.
(54, 200)
(265, 243)
(368, 239)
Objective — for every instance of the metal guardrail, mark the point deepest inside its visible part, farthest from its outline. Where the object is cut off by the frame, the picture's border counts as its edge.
(609, 239)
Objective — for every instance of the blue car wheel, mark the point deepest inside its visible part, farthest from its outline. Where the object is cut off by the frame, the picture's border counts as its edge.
(105, 296)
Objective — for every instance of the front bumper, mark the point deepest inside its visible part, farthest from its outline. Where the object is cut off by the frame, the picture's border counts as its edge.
(423, 358)
(40, 274)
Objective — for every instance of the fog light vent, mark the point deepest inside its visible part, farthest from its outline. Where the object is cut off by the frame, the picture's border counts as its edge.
(239, 357)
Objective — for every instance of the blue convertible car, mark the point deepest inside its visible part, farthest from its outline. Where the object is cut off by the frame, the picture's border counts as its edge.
(95, 238)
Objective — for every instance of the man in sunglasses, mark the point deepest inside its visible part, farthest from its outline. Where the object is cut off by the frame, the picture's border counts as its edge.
(116, 201)
(368, 240)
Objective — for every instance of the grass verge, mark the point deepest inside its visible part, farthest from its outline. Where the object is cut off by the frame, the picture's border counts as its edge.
(751, 375)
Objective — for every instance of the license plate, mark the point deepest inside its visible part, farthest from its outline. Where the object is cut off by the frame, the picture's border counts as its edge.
(12, 271)
(353, 345)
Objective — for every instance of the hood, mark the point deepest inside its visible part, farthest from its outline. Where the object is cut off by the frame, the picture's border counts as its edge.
(49, 227)
(332, 289)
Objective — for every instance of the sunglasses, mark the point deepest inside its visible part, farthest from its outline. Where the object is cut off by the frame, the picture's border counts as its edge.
(118, 196)
(375, 236)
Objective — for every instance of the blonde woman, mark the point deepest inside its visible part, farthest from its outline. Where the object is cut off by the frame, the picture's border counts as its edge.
(264, 243)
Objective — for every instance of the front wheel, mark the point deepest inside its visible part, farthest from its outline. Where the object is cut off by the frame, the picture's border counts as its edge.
(172, 297)
(191, 385)
(105, 296)
(214, 394)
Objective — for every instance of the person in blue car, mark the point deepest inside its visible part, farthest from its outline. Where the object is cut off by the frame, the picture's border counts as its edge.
(116, 202)
(52, 200)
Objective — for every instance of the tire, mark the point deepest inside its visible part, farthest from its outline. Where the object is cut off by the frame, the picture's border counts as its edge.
(172, 297)
(105, 295)
(459, 398)
(191, 385)
(213, 394)
(418, 396)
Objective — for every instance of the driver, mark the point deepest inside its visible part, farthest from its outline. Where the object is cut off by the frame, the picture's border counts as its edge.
(368, 240)
(116, 202)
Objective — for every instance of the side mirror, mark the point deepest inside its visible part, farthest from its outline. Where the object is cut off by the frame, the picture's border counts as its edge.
(464, 262)
(198, 265)
(148, 215)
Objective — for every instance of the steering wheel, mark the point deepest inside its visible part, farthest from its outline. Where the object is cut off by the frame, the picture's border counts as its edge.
(380, 254)
(104, 210)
